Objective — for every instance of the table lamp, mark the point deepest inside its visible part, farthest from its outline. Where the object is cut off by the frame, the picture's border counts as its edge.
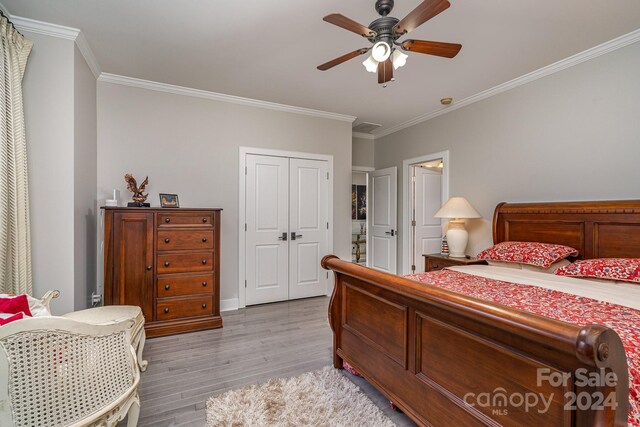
(457, 209)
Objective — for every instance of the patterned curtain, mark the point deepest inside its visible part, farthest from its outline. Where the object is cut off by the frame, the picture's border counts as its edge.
(15, 237)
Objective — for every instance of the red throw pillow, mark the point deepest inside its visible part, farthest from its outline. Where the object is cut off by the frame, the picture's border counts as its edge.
(532, 253)
(624, 269)
(15, 305)
(10, 319)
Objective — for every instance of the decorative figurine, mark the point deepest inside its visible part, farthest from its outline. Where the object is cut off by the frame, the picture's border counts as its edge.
(138, 197)
(445, 246)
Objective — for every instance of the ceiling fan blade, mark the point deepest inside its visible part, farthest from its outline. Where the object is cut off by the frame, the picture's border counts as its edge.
(385, 71)
(343, 58)
(421, 14)
(349, 25)
(446, 50)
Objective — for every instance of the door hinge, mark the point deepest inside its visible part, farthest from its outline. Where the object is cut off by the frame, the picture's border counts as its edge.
(245, 170)
(327, 225)
(245, 283)
(413, 268)
(327, 274)
(245, 226)
(413, 223)
(327, 176)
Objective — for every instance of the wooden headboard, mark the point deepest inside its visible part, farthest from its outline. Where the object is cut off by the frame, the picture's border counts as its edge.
(606, 229)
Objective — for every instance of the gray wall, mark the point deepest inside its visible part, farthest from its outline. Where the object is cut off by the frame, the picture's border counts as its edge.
(49, 113)
(190, 146)
(574, 135)
(363, 150)
(84, 181)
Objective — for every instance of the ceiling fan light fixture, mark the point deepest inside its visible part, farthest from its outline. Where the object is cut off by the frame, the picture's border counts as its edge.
(381, 51)
(398, 59)
(370, 64)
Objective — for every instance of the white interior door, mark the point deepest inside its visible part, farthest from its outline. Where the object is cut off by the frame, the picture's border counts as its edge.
(267, 216)
(308, 226)
(383, 191)
(427, 230)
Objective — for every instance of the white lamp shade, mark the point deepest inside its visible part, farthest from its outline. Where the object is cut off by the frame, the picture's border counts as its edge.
(381, 51)
(370, 64)
(457, 207)
(398, 59)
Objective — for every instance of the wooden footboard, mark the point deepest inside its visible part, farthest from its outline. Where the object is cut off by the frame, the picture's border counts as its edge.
(447, 359)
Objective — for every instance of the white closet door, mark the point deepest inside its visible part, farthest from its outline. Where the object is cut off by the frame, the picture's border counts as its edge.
(267, 216)
(428, 230)
(308, 216)
(383, 191)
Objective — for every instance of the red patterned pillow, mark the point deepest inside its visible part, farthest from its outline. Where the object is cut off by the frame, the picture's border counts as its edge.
(15, 305)
(625, 269)
(11, 318)
(532, 253)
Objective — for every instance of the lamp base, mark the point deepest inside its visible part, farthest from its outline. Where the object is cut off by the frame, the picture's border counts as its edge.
(457, 237)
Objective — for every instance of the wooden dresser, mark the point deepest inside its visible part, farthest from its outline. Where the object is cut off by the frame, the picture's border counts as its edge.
(166, 261)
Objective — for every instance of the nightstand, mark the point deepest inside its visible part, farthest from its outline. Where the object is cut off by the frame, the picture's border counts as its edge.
(435, 262)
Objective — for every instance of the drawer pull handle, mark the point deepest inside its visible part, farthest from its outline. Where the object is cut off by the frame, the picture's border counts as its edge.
(166, 263)
(204, 261)
(149, 267)
(166, 287)
(204, 219)
(167, 220)
(166, 310)
(167, 240)
(204, 240)
(204, 283)
(204, 305)
(436, 266)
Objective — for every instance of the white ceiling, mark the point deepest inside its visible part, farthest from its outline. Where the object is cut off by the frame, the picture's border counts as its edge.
(269, 50)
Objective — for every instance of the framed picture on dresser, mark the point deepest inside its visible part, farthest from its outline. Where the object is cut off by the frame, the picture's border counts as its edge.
(169, 200)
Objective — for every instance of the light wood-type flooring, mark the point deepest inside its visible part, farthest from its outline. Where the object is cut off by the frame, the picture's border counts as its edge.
(257, 343)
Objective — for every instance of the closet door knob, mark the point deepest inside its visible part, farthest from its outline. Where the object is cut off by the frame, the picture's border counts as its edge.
(166, 287)
(166, 310)
(166, 263)
(167, 240)
(167, 220)
(204, 283)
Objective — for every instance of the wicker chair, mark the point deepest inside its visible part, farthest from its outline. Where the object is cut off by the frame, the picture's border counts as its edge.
(56, 371)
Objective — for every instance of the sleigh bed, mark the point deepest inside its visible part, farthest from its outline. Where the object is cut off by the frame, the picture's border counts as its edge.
(447, 358)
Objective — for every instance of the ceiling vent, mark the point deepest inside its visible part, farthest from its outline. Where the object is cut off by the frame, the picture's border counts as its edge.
(366, 127)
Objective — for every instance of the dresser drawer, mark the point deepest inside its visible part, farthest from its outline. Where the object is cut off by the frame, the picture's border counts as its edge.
(184, 307)
(191, 262)
(185, 285)
(184, 239)
(436, 265)
(187, 219)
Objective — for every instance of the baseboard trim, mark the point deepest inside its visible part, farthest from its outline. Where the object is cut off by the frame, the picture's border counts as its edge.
(229, 304)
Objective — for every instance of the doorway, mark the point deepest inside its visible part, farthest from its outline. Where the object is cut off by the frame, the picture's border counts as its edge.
(426, 189)
(359, 214)
(285, 215)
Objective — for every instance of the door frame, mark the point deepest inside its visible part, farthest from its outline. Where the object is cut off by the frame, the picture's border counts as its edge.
(367, 170)
(407, 203)
(243, 151)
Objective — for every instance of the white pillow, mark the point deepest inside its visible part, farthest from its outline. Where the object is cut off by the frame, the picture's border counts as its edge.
(37, 308)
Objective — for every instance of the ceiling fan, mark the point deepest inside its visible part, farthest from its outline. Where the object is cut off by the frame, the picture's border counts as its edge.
(384, 33)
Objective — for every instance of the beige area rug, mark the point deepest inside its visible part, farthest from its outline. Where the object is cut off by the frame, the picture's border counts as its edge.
(320, 398)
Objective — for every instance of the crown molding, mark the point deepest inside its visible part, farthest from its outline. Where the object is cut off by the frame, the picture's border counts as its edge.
(87, 53)
(45, 28)
(214, 96)
(571, 61)
(363, 135)
(62, 32)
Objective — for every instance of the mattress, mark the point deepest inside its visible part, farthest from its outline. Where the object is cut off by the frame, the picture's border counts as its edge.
(578, 301)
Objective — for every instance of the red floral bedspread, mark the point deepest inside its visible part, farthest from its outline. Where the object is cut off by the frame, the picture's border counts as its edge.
(555, 305)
